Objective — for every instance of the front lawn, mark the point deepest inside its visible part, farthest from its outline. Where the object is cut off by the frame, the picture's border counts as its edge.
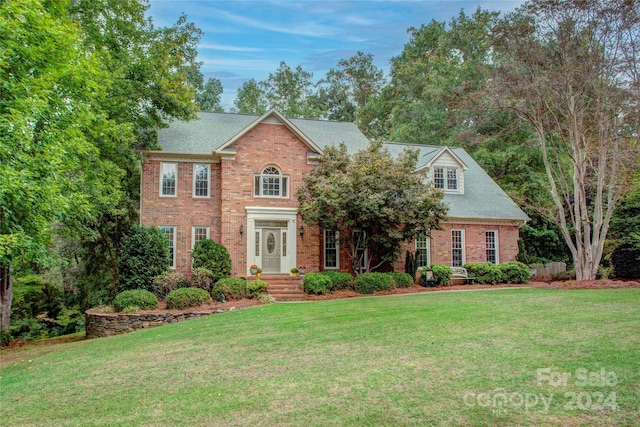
(499, 357)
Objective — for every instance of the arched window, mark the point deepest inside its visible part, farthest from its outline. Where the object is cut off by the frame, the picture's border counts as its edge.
(271, 183)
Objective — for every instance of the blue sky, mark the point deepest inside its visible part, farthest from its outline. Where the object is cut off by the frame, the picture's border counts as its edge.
(248, 39)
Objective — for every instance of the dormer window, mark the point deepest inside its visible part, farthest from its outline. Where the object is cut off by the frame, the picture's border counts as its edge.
(445, 178)
(271, 183)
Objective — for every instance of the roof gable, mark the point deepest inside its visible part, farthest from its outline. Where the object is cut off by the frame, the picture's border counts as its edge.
(447, 156)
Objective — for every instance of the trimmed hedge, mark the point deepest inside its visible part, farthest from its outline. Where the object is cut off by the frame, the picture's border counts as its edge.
(140, 298)
(230, 288)
(401, 280)
(515, 272)
(255, 288)
(368, 283)
(339, 280)
(167, 282)
(144, 254)
(214, 257)
(202, 278)
(441, 274)
(316, 283)
(187, 297)
(485, 272)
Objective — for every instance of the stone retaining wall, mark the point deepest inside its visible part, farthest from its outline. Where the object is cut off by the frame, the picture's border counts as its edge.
(99, 324)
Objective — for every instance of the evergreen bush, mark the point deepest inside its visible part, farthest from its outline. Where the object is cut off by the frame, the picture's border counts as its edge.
(316, 283)
(144, 254)
(401, 280)
(141, 298)
(202, 278)
(214, 257)
(339, 280)
(230, 288)
(255, 288)
(167, 282)
(187, 297)
(515, 272)
(441, 274)
(368, 283)
(484, 272)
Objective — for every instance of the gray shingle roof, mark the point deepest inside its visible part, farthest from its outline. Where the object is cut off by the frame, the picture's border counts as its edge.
(482, 197)
(212, 130)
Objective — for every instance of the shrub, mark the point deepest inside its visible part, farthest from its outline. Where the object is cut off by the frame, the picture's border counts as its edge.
(144, 254)
(266, 299)
(368, 283)
(441, 274)
(485, 272)
(229, 289)
(202, 278)
(339, 280)
(187, 297)
(214, 257)
(563, 276)
(401, 280)
(316, 283)
(167, 282)
(255, 288)
(141, 298)
(625, 263)
(515, 272)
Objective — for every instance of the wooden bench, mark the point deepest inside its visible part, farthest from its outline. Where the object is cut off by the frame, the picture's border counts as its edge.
(459, 276)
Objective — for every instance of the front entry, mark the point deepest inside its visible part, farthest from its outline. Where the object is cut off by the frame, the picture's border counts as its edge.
(271, 252)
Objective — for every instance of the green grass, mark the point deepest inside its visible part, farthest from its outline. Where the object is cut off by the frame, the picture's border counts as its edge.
(406, 360)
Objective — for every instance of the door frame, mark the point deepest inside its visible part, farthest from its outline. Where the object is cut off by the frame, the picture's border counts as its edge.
(289, 215)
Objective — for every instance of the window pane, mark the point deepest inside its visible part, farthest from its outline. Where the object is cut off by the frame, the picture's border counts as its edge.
(285, 182)
(491, 246)
(452, 179)
(422, 250)
(438, 178)
(201, 183)
(256, 185)
(456, 248)
(330, 249)
(200, 233)
(171, 234)
(284, 243)
(257, 243)
(168, 179)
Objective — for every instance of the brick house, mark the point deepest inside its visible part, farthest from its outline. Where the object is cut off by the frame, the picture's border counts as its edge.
(233, 178)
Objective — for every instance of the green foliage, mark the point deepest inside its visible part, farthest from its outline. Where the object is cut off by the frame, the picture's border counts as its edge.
(229, 289)
(141, 298)
(441, 274)
(214, 257)
(626, 261)
(401, 280)
(144, 255)
(202, 278)
(5, 338)
(255, 288)
(250, 99)
(339, 280)
(563, 276)
(208, 99)
(289, 91)
(410, 264)
(484, 272)
(316, 283)
(167, 282)
(266, 299)
(187, 297)
(368, 283)
(370, 191)
(515, 272)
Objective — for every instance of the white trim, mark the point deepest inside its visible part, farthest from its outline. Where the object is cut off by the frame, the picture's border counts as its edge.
(193, 172)
(284, 183)
(484, 221)
(496, 244)
(256, 213)
(446, 149)
(162, 179)
(428, 248)
(172, 266)
(462, 243)
(193, 234)
(324, 250)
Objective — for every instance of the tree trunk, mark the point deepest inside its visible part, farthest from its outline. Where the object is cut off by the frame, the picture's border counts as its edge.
(6, 293)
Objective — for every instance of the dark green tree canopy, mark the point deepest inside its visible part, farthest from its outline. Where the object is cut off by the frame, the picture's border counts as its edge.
(373, 200)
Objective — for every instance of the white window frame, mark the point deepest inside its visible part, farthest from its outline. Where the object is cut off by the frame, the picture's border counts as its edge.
(193, 234)
(426, 248)
(208, 167)
(365, 258)
(162, 171)
(462, 248)
(172, 243)
(495, 246)
(336, 247)
(445, 170)
(258, 183)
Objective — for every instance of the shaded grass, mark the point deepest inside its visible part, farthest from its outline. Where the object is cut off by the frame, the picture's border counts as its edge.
(406, 360)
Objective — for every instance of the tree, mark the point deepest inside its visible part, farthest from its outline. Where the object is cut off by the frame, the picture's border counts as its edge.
(374, 201)
(50, 167)
(144, 255)
(214, 257)
(347, 89)
(209, 98)
(290, 91)
(570, 70)
(250, 99)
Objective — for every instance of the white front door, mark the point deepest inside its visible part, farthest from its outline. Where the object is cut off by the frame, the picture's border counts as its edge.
(271, 250)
